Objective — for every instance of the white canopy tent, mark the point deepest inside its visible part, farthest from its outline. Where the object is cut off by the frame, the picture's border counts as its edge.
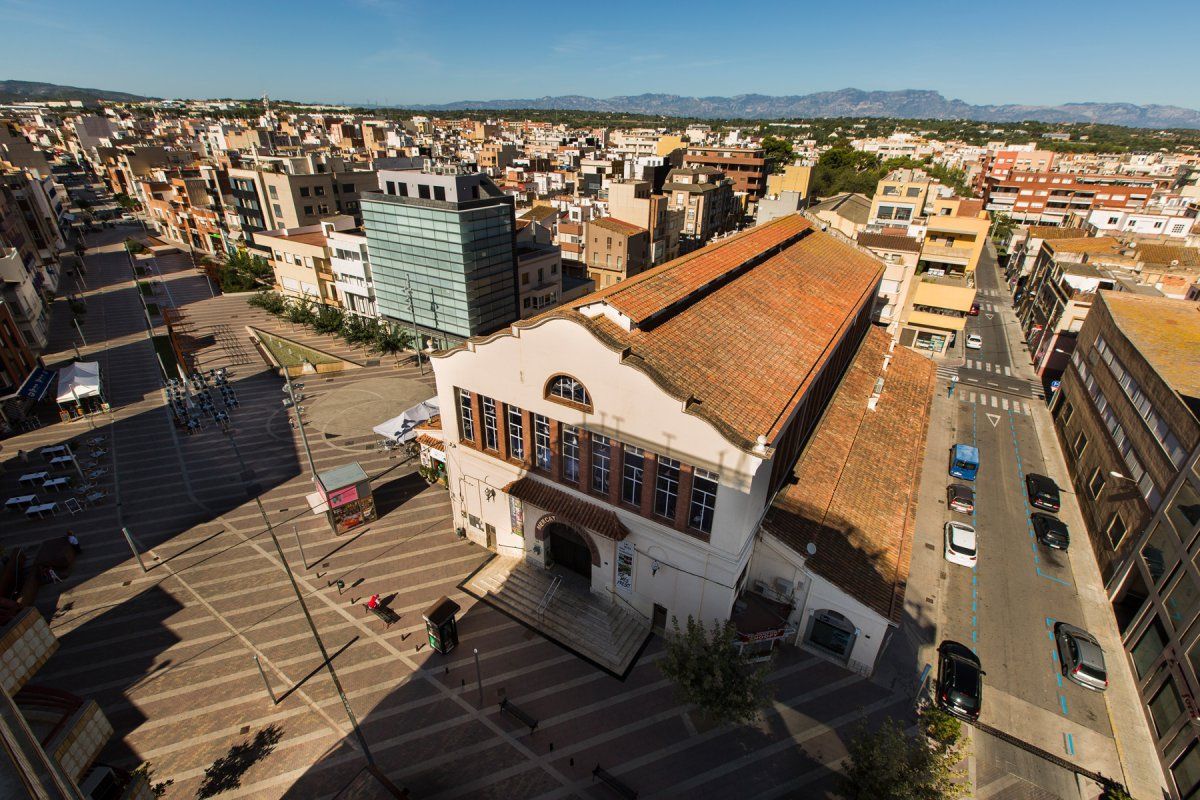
(78, 380)
(401, 428)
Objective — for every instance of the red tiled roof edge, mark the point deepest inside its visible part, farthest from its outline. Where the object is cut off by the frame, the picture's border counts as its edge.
(602, 520)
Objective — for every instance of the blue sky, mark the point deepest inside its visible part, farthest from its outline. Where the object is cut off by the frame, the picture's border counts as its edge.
(396, 51)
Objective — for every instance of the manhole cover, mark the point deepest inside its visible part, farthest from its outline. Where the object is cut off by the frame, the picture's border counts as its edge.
(929, 546)
(245, 729)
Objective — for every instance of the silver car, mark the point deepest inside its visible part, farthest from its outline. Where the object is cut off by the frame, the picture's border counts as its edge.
(1080, 657)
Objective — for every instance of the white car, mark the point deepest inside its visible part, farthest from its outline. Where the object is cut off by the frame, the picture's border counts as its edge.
(975, 341)
(961, 547)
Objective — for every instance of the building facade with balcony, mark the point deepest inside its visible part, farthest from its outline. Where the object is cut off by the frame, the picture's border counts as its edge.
(1049, 198)
(350, 262)
(301, 260)
(745, 166)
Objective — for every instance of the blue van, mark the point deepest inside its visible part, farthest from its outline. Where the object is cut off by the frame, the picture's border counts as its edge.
(964, 461)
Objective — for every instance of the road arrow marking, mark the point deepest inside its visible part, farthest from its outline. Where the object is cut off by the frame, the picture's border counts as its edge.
(989, 316)
(994, 419)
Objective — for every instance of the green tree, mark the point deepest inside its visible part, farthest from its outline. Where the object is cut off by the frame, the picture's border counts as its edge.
(843, 169)
(301, 312)
(125, 201)
(943, 728)
(145, 773)
(1115, 791)
(778, 152)
(359, 330)
(709, 670)
(886, 764)
(269, 301)
(243, 271)
(328, 320)
(390, 339)
(1002, 227)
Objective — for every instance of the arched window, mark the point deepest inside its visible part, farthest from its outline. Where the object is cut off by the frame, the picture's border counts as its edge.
(564, 388)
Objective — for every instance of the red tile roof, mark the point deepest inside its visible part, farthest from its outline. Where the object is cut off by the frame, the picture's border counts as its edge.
(889, 241)
(736, 331)
(592, 516)
(855, 490)
(617, 225)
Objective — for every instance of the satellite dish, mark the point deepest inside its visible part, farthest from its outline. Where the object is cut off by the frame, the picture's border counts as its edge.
(811, 548)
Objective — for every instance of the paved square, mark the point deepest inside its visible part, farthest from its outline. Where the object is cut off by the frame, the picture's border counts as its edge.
(170, 653)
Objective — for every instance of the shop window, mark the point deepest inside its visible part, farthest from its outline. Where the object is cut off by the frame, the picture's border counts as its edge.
(1149, 647)
(1166, 707)
(1183, 601)
(1160, 552)
(832, 633)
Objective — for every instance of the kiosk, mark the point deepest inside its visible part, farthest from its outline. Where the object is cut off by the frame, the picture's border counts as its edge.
(441, 626)
(346, 492)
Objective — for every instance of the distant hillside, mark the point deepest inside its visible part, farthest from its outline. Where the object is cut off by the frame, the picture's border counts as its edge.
(904, 104)
(34, 91)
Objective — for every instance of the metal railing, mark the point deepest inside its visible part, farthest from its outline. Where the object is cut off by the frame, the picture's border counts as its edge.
(547, 597)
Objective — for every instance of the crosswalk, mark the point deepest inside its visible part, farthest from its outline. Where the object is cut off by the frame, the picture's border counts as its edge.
(984, 366)
(997, 402)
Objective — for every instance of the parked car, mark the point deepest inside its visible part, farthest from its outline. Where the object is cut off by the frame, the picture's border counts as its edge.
(974, 309)
(1080, 657)
(1050, 531)
(960, 680)
(961, 547)
(974, 341)
(960, 498)
(1043, 492)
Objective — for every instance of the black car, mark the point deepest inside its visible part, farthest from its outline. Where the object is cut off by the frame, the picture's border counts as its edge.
(1050, 531)
(960, 680)
(960, 498)
(1043, 492)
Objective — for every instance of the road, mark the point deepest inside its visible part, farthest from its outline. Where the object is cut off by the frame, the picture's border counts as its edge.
(1005, 608)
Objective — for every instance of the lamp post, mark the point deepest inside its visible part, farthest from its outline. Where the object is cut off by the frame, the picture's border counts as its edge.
(252, 489)
(291, 392)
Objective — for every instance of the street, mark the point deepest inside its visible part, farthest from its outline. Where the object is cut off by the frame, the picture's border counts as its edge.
(1005, 608)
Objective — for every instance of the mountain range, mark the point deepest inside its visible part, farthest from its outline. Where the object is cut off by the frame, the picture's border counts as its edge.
(25, 91)
(903, 104)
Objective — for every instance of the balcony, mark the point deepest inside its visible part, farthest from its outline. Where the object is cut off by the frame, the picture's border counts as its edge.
(949, 255)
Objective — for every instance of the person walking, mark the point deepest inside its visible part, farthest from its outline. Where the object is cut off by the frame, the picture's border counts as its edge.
(950, 388)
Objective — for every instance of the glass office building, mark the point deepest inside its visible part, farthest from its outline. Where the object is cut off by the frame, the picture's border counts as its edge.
(450, 239)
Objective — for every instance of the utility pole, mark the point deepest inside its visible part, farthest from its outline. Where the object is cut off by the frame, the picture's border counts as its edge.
(300, 422)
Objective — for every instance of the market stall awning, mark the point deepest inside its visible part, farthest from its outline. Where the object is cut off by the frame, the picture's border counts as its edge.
(79, 380)
(401, 428)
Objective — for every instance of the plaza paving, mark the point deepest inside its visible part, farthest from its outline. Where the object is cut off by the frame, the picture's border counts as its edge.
(169, 653)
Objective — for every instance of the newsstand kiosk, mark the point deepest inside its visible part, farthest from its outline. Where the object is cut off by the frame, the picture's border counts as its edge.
(441, 626)
(344, 494)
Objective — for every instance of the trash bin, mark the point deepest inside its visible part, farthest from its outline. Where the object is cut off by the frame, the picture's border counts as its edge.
(441, 626)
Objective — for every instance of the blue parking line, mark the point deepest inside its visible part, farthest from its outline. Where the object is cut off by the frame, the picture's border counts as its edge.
(974, 636)
(1052, 578)
(1070, 745)
(1062, 698)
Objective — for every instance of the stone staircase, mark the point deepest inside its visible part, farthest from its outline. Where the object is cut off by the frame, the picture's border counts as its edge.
(600, 632)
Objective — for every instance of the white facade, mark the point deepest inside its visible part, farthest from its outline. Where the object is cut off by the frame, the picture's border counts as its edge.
(1117, 221)
(351, 265)
(678, 571)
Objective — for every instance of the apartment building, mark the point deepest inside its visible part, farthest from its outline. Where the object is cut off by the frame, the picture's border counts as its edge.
(276, 193)
(495, 157)
(703, 197)
(1157, 597)
(17, 361)
(23, 280)
(1049, 198)
(1143, 224)
(636, 203)
(540, 276)
(186, 208)
(1126, 411)
(301, 260)
(616, 250)
(350, 263)
(846, 213)
(999, 165)
(443, 250)
(794, 178)
(632, 441)
(746, 166)
(900, 199)
(900, 255)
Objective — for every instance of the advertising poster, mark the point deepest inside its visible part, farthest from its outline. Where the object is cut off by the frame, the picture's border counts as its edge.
(625, 567)
(516, 515)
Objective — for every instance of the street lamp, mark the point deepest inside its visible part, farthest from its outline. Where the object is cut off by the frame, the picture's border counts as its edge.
(254, 490)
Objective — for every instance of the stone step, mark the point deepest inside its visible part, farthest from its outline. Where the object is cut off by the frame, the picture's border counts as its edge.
(598, 630)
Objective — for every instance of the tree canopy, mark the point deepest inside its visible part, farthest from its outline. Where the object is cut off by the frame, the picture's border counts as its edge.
(709, 670)
(887, 764)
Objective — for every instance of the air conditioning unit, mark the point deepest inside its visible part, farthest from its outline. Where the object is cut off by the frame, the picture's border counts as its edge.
(760, 586)
(784, 587)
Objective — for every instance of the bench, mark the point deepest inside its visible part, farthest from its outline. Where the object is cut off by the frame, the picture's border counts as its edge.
(509, 708)
(384, 613)
(613, 783)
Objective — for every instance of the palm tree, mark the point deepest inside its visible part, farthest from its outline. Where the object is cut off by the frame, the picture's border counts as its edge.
(391, 339)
